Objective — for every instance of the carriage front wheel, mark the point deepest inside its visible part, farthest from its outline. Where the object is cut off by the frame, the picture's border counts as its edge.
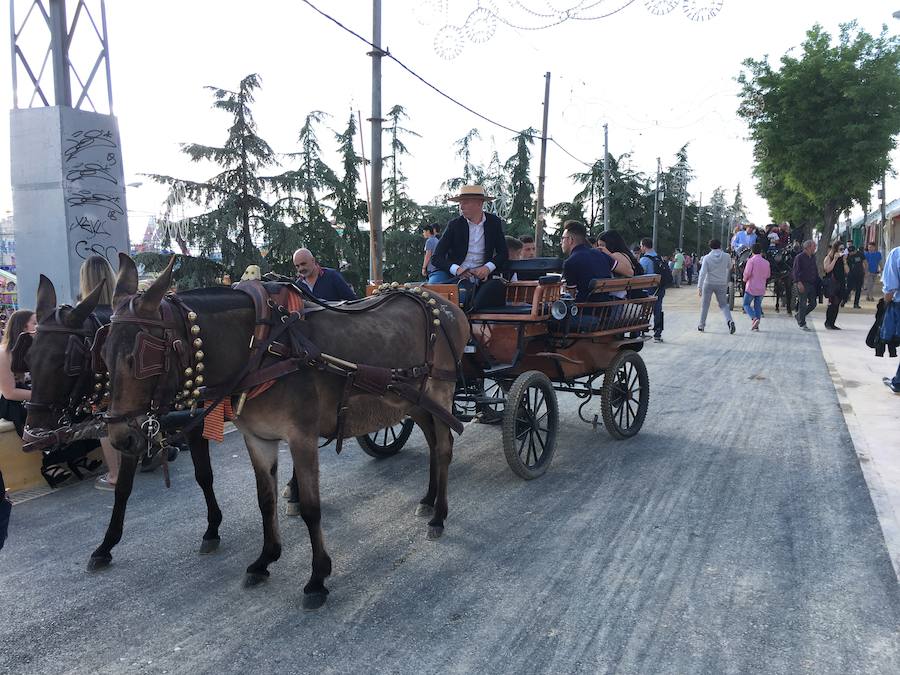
(386, 442)
(625, 395)
(530, 423)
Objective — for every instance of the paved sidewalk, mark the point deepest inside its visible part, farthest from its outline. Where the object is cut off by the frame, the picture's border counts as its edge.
(872, 414)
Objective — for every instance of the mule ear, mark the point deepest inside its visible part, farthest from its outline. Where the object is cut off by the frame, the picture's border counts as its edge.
(83, 309)
(126, 281)
(153, 296)
(46, 299)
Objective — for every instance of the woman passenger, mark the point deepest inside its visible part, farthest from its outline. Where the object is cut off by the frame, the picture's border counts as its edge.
(14, 389)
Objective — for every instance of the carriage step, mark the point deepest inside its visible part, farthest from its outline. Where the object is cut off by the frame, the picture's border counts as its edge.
(498, 368)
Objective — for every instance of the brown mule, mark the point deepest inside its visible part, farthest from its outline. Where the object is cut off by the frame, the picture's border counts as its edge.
(64, 384)
(299, 408)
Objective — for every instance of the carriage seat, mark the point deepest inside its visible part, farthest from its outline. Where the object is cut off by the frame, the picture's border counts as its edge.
(533, 269)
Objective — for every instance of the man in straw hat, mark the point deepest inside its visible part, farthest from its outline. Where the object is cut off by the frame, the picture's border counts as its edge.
(474, 245)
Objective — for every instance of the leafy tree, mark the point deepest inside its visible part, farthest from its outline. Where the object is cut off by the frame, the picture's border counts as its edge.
(825, 122)
(350, 209)
(235, 196)
(404, 211)
(521, 211)
(190, 272)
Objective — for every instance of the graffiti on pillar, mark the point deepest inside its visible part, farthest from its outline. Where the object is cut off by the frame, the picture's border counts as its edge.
(94, 197)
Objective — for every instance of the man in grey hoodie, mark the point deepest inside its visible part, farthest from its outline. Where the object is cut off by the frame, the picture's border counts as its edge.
(715, 268)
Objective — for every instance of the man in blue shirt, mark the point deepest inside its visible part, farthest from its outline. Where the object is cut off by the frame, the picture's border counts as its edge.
(873, 267)
(322, 282)
(745, 238)
(583, 263)
(648, 256)
(890, 281)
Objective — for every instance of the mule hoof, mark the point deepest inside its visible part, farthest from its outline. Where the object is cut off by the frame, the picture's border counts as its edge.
(424, 510)
(97, 563)
(435, 531)
(314, 600)
(255, 579)
(209, 546)
(292, 509)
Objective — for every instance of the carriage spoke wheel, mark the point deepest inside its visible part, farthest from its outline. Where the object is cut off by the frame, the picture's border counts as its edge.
(388, 441)
(530, 423)
(625, 395)
(494, 394)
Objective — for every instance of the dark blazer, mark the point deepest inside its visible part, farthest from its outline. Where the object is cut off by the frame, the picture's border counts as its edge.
(454, 243)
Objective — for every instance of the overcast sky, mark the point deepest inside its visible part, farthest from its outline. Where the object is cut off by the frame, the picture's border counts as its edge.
(659, 81)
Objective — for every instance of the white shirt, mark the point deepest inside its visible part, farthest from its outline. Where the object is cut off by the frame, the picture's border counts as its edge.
(475, 255)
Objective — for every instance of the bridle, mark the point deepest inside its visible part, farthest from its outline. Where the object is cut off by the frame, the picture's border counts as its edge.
(152, 356)
(81, 362)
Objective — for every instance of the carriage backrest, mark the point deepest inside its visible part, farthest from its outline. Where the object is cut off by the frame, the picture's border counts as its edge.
(533, 269)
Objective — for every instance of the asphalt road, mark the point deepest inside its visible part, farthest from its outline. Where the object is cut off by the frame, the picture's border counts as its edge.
(735, 533)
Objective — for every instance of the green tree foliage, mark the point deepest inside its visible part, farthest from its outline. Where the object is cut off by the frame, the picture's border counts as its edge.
(403, 210)
(471, 174)
(234, 197)
(521, 210)
(189, 272)
(349, 210)
(825, 122)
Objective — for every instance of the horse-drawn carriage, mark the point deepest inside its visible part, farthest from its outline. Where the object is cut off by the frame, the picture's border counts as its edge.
(781, 261)
(530, 341)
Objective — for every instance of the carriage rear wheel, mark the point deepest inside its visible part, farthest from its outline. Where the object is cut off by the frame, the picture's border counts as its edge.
(530, 423)
(386, 442)
(625, 395)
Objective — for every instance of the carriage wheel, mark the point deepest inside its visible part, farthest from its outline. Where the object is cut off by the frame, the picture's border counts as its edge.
(530, 422)
(388, 441)
(494, 391)
(625, 395)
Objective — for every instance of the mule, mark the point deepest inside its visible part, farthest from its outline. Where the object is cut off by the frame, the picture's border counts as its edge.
(66, 386)
(303, 405)
(782, 270)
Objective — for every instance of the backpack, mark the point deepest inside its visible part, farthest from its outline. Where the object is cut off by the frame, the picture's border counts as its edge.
(666, 279)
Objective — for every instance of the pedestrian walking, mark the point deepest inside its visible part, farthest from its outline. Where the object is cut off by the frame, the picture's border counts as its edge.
(806, 276)
(873, 267)
(689, 268)
(756, 273)
(836, 271)
(677, 267)
(653, 264)
(856, 264)
(890, 326)
(715, 268)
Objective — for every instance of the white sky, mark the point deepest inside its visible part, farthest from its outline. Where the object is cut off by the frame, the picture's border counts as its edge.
(659, 81)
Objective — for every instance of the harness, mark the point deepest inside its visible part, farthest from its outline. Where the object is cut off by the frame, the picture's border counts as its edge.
(279, 347)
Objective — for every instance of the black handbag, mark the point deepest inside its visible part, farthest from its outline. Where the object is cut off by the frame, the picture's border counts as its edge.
(830, 285)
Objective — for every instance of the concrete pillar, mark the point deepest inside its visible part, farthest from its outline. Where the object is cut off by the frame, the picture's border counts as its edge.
(68, 196)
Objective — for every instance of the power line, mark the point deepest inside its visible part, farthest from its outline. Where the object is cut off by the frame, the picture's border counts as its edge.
(450, 98)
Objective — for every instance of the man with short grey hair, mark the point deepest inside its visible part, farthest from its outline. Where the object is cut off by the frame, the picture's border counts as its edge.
(806, 275)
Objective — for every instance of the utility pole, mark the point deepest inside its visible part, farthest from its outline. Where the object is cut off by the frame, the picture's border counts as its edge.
(883, 236)
(539, 207)
(605, 177)
(683, 204)
(376, 237)
(699, 220)
(656, 201)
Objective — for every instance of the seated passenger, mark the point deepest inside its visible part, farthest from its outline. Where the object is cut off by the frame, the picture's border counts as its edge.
(584, 263)
(612, 243)
(516, 250)
(746, 238)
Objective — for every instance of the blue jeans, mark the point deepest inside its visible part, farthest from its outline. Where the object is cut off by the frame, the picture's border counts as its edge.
(658, 312)
(442, 277)
(756, 312)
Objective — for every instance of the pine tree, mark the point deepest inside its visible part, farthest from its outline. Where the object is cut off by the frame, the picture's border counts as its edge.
(350, 209)
(471, 174)
(235, 196)
(404, 211)
(521, 212)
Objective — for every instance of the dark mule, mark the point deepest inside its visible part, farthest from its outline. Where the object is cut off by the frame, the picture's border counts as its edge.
(65, 385)
(301, 406)
(782, 269)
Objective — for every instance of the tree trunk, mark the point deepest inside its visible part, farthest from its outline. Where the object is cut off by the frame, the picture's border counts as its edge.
(830, 214)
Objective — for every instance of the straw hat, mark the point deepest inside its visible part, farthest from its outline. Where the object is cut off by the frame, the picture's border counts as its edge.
(470, 191)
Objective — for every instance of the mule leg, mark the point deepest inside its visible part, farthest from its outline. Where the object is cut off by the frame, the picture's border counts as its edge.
(443, 457)
(102, 556)
(426, 424)
(264, 457)
(293, 498)
(306, 470)
(204, 477)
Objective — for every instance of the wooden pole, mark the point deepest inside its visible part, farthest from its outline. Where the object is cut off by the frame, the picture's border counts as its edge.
(539, 207)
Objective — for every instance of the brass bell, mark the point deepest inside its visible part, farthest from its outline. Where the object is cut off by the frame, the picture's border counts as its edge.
(425, 294)
(395, 284)
(179, 406)
(98, 387)
(195, 393)
(198, 380)
(192, 316)
(195, 330)
(198, 343)
(437, 322)
(200, 367)
(188, 384)
(179, 396)
(98, 376)
(186, 393)
(188, 372)
(432, 302)
(436, 312)
(199, 357)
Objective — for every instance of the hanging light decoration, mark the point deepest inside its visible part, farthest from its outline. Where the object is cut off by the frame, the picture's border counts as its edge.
(660, 7)
(701, 10)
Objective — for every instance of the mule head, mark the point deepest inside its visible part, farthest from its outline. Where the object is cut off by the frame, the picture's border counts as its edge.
(58, 359)
(133, 338)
